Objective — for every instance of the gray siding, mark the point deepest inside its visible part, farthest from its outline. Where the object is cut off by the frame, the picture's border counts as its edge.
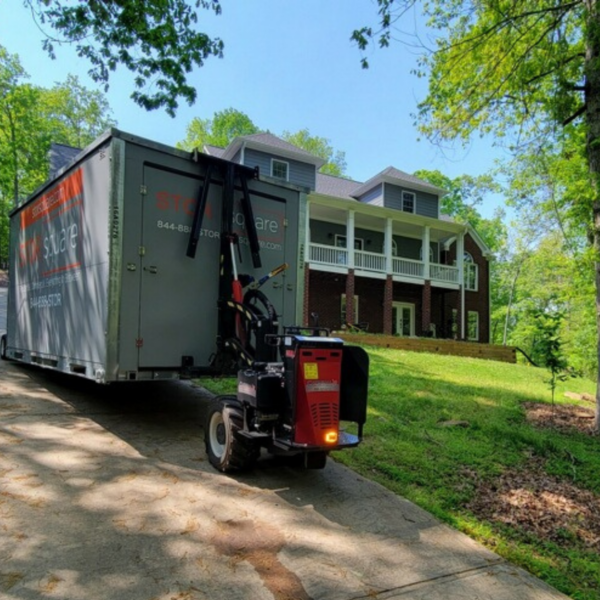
(426, 204)
(411, 248)
(374, 197)
(322, 232)
(300, 173)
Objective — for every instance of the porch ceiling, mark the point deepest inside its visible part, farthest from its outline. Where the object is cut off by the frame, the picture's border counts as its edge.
(403, 228)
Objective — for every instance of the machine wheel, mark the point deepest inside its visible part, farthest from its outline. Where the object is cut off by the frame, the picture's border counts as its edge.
(260, 303)
(3, 347)
(227, 451)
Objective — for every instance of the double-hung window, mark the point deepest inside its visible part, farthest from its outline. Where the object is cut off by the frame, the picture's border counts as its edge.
(280, 169)
(409, 201)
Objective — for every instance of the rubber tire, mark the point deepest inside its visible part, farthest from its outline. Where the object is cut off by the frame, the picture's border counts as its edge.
(255, 298)
(3, 347)
(228, 451)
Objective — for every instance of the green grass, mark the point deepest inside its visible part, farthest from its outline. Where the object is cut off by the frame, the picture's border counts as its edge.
(407, 450)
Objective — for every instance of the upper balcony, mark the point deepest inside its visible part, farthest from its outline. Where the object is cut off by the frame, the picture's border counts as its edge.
(371, 263)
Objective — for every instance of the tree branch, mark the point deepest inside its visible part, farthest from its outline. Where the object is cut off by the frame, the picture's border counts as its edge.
(581, 110)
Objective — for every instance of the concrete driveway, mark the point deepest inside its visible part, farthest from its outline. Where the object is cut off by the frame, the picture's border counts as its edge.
(106, 492)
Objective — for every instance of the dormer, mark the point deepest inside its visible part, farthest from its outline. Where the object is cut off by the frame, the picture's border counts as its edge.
(396, 189)
(274, 157)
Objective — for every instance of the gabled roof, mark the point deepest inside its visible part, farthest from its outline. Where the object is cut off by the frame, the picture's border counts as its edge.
(397, 177)
(329, 185)
(267, 142)
(214, 150)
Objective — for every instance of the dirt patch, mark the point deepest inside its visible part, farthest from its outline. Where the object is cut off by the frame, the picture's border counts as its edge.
(533, 502)
(3, 279)
(562, 417)
(259, 544)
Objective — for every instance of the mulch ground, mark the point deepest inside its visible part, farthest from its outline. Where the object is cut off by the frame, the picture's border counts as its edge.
(536, 503)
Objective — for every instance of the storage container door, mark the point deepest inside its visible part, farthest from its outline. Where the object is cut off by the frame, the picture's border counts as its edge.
(178, 297)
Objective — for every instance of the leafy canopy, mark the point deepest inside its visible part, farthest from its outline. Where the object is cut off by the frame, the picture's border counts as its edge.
(156, 40)
(230, 123)
(219, 131)
(321, 147)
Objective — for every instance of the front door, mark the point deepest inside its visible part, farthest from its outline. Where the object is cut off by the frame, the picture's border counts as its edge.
(403, 319)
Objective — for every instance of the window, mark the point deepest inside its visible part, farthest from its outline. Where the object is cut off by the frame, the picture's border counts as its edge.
(471, 273)
(454, 324)
(279, 169)
(341, 242)
(343, 309)
(409, 200)
(394, 248)
(473, 326)
(403, 319)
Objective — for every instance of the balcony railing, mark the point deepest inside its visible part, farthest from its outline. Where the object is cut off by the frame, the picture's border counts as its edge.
(443, 273)
(369, 261)
(407, 267)
(328, 255)
(372, 261)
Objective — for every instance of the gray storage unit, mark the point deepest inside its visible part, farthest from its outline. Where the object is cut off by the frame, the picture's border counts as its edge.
(101, 285)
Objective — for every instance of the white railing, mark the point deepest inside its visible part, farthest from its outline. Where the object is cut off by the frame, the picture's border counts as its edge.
(328, 255)
(443, 273)
(369, 261)
(407, 267)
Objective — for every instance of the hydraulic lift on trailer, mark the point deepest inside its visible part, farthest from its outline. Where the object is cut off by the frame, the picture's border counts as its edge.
(295, 387)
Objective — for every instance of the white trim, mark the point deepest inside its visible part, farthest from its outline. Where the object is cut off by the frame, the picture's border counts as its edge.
(287, 169)
(243, 154)
(411, 307)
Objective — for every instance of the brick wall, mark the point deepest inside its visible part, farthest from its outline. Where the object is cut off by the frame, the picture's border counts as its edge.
(371, 293)
(478, 301)
(326, 291)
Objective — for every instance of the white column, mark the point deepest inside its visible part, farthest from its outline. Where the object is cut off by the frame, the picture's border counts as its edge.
(387, 247)
(425, 252)
(460, 263)
(350, 238)
(307, 232)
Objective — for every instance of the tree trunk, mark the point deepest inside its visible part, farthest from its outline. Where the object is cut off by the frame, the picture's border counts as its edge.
(592, 118)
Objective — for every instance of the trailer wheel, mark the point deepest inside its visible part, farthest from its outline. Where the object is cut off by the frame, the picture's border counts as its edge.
(227, 451)
(3, 347)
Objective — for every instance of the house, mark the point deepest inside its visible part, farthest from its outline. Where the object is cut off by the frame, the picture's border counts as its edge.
(365, 241)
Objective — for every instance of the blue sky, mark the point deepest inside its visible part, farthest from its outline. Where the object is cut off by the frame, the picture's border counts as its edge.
(288, 64)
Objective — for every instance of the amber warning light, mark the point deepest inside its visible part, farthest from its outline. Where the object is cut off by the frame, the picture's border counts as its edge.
(331, 437)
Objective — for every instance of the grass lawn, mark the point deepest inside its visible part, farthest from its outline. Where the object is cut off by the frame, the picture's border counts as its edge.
(453, 435)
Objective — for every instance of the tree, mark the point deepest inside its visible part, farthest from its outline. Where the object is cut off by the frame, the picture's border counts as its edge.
(77, 115)
(464, 194)
(521, 71)
(31, 118)
(156, 40)
(321, 147)
(219, 131)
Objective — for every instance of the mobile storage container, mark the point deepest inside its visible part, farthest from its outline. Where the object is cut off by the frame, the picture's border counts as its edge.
(101, 285)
